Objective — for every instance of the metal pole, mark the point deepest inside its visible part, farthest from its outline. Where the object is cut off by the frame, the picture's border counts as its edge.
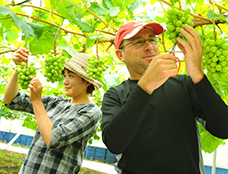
(213, 170)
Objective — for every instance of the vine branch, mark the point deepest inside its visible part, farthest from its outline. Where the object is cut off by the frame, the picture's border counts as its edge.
(218, 5)
(56, 37)
(98, 18)
(7, 51)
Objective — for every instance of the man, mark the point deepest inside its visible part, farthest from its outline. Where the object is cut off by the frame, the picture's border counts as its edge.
(150, 120)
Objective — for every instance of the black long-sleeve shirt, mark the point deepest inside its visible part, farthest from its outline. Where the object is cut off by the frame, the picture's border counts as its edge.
(158, 133)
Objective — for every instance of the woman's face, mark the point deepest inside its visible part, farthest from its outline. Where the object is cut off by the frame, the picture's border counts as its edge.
(74, 85)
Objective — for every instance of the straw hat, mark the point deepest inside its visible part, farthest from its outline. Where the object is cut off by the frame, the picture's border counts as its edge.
(78, 65)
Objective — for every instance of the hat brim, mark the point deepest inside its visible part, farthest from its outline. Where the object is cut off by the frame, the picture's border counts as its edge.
(83, 75)
(155, 27)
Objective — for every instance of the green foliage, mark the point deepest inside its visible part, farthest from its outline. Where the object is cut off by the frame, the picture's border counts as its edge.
(27, 28)
(208, 141)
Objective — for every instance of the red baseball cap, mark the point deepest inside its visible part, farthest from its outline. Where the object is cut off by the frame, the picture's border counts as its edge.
(130, 29)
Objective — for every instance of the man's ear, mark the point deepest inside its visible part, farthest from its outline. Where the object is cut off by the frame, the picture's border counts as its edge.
(119, 53)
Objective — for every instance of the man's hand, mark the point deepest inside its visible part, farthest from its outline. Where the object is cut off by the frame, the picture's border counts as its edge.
(193, 53)
(159, 70)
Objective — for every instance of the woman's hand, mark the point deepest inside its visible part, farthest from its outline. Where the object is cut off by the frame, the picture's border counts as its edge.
(21, 55)
(36, 89)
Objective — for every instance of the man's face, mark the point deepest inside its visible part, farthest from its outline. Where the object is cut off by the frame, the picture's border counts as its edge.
(137, 58)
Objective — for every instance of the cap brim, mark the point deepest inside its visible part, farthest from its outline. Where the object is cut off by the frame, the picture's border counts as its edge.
(155, 27)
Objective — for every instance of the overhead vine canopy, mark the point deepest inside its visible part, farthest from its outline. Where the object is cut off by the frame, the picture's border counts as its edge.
(85, 23)
(70, 26)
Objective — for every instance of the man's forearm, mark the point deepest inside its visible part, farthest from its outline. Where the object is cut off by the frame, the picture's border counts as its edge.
(215, 109)
(11, 89)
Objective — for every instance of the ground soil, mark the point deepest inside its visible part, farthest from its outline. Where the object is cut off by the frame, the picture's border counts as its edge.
(10, 163)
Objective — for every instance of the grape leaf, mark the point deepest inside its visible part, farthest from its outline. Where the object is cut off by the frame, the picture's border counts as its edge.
(210, 15)
(63, 44)
(209, 142)
(69, 10)
(113, 11)
(29, 123)
(90, 41)
(43, 46)
(135, 4)
(11, 34)
(107, 4)
(85, 27)
(95, 7)
(27, 28)
(159, 19)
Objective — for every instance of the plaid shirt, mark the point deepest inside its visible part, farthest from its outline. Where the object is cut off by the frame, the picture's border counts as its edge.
(73, 126)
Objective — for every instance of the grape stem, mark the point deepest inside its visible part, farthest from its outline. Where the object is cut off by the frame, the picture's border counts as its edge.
(56, 37)
(4, 78)
(213, 20)
(173, 48)
(9, 50)
(163, 42)
(218, 5)
(163, 8)
(223, 83)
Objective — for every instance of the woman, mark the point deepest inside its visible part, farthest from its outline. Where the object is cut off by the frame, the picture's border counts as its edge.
(64, 125)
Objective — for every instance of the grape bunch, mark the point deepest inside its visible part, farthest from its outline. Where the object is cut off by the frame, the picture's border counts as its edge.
(24, 72)
(53, 65)
(96, 67)
(176, 19)
(215, 53)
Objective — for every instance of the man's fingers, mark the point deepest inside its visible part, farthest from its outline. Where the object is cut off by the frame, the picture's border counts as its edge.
(192, 36)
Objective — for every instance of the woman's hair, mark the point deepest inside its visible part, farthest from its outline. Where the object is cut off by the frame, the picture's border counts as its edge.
(89, 89)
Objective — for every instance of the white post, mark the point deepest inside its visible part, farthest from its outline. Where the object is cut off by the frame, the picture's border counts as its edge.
(213, 170)
(14, 139)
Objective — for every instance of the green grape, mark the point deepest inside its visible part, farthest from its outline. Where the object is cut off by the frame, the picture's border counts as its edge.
(190, 23)
(221, 58)
(24, 73)
(224, 70)
(179, 23)
(224, 46)
(215, 57)
(170, 27)
(219, 42)
(210, 42)
(176, 19)
(218, 53)
(96, 67)
(223, 63)
(180, 13)
(53, 66)
(213, 49)
(222, 75)
(187, 11)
